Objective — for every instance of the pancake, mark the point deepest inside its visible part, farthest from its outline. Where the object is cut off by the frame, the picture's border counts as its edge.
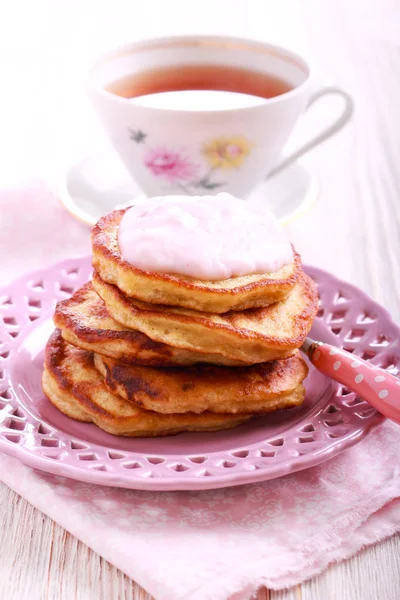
(251, 336)
(76, 388)
(236, 293)
(258, 389)
(85, 322)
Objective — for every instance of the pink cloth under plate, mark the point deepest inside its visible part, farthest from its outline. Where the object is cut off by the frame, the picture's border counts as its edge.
(212, 545)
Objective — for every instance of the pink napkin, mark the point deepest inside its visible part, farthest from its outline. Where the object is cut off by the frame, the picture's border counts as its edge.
(226, 543)
(210, 545)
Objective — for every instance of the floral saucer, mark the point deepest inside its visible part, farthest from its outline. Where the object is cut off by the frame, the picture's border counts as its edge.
(99, 183)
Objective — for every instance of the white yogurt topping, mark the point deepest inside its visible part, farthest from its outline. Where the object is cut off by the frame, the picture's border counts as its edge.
(205, 237)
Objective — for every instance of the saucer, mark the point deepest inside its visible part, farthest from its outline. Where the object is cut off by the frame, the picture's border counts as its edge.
(99, 183)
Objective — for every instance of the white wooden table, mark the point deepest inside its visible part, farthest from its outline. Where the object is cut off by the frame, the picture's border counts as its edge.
(353, 230)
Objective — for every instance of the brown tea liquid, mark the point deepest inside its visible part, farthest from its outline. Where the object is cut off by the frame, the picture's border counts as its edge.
(205, 78)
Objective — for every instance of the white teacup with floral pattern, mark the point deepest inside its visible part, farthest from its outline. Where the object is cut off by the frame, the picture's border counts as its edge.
(170, 151)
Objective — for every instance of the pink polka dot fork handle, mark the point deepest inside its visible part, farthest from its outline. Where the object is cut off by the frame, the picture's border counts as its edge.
(378, 387)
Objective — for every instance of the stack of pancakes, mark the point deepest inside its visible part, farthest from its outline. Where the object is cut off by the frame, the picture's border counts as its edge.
(147, 354)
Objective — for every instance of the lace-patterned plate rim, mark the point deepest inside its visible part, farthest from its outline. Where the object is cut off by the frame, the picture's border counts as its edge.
(331, 419)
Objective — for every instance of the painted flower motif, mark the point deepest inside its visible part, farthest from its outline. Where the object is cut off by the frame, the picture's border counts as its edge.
(169, 164)
(226, 153)
(137, 135)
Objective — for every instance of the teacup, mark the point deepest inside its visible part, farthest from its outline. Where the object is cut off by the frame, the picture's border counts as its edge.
(186, 150)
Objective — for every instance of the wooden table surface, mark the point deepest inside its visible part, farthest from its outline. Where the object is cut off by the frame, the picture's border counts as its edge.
(353, 230)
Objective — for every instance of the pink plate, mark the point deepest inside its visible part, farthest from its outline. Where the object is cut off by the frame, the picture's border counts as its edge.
(330, 420)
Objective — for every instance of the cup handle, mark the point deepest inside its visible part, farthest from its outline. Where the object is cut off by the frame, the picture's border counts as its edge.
(325, 133)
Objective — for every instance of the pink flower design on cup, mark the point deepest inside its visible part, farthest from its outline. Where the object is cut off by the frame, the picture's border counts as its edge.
(170, 164)
(221, 154)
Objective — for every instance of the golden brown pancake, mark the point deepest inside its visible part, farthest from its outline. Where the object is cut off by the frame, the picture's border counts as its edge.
(258, 389)
(251, 336)
(236, 293)
(85, 322)
(76, 388)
